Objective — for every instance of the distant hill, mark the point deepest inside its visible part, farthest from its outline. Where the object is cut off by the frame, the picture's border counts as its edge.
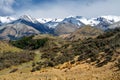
(84, 32)
(65, 28)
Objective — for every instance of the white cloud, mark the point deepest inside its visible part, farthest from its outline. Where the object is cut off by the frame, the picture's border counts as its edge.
(62, 8)
(107, 7)
(6, 7)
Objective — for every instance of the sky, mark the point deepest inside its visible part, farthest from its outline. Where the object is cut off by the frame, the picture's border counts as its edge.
(59, 8)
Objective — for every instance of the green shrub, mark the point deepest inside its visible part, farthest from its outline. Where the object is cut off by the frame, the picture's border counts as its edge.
(29, 43)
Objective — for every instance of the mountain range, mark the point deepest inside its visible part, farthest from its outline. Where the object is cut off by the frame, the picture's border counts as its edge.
(89, 50)
(15, 28)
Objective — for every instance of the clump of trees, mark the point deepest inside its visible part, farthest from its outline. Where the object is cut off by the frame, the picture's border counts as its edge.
(29, 43)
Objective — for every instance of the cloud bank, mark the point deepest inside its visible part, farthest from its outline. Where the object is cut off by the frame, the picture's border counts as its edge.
(59, 8)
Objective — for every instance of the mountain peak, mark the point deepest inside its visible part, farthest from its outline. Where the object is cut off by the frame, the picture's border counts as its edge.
(112, 18)
(28, 18)
(6, 19)
(44, 20)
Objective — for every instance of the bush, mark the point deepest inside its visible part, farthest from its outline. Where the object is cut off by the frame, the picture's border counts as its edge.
(8, 59)
(118, 64)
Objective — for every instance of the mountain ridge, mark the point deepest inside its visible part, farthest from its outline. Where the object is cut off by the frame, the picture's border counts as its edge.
(52, 26)
(87, 21)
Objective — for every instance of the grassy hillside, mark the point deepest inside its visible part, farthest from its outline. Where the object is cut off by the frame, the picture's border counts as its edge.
(100, 50)
(11, 55)
(76, 72)
(55, 51)
(8, 59)
(6, 47)
(54, 58)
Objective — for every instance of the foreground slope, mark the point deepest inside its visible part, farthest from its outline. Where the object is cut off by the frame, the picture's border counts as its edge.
(78, 71)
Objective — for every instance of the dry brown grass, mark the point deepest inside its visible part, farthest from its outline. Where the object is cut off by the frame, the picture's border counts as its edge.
(78, 71)
(6, 47)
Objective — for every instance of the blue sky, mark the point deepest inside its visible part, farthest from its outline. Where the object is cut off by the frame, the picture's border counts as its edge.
(59, 8)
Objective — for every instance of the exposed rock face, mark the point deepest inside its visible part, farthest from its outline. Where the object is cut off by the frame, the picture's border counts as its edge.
(16, 31)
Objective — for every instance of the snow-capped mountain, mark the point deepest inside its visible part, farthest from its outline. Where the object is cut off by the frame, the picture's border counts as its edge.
(111, 18)
(74, 20)
(92, 21)
(115, 25)
(23, 26)
(30, 21)
(53, 23)
(44, 20)
(10, 25)
(102, 22)
(6, 19)
(28, 18)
